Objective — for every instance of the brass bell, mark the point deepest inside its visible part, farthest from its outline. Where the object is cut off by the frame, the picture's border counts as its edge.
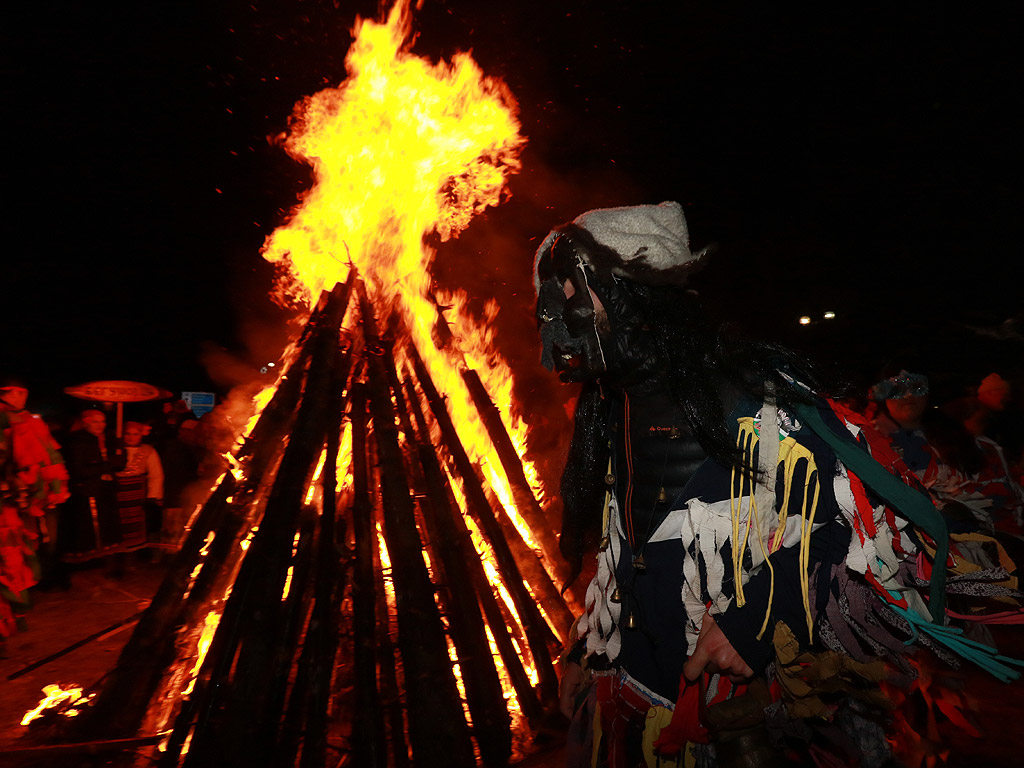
(609, 479)
(631, 622)
(616, 595)
(639, 564)
(605, 541)
(662, 496)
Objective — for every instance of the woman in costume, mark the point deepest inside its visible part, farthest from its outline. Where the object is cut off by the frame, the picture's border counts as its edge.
(140, 490)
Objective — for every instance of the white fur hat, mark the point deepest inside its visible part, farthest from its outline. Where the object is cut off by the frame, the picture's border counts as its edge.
(649, 241)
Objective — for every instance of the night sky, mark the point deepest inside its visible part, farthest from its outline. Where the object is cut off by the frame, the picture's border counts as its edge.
(857, 157)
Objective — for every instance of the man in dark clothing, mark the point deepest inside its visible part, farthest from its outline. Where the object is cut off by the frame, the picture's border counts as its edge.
(735, 512)
(91, 525)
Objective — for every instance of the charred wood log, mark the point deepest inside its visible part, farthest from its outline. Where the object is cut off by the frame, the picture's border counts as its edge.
(438, 731)
(525, 500)
(526, 503)
(453, 529)
(388, 664)
(127, 688)
(245, 737)
(317, 663)
(368, 741)
(484, 695)
(295, 613)
(480, 508)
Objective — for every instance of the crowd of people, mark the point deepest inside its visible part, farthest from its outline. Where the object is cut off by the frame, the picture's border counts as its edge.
(83, 496)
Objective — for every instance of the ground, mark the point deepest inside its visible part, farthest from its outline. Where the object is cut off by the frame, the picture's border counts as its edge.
(96, 604)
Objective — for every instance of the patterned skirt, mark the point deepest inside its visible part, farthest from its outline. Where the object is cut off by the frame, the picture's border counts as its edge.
(131, 507)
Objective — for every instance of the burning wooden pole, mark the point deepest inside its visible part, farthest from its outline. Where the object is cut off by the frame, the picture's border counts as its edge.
(484, 696)
(525, 499)
(317, 662)
(437, 727)
(388, 660)
(368, 744)
(243, 737)
(231, 713)
(452, 528)
(529, 614)
(525, 502)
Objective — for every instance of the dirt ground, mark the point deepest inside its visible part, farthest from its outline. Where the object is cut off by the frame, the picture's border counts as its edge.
(96, 606)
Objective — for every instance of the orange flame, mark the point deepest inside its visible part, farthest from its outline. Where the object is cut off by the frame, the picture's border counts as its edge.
(210, 625)
(401, 149)
(55, 695)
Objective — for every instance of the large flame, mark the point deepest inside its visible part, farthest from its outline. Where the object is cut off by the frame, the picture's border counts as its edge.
(401, 149)
(405, 150)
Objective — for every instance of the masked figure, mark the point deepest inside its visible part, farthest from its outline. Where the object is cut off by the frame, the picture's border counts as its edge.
(748, 530)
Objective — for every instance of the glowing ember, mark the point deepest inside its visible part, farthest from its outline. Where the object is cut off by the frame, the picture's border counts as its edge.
(344, 474)
(205, 638)
(311, 492)
(287, 583)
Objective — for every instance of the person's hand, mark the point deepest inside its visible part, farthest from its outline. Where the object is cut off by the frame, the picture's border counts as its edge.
(714, 653)
(573, 680)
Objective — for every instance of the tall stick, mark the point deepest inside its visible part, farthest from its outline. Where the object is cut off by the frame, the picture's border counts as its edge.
(533, 569)
(245, 739)
(368, 745)
(480, 508)
(437, 483)
(322, 640)
(125, 691)
(388, 661)
(437, 727)
(484, 695)
(525, 500)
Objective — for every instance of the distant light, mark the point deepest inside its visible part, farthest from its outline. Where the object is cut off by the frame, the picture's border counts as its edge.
(829, 315)
(805, 320)
(271, 365)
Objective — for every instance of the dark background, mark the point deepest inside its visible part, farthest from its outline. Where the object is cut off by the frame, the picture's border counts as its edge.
(862, 158)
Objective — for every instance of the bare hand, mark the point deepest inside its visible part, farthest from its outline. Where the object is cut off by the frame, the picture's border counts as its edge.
(572, 683)
(714, 653)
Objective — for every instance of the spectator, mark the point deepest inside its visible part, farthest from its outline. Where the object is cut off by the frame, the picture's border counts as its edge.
(33, 481)
(180, 457)
(140, 490)
(91, 517)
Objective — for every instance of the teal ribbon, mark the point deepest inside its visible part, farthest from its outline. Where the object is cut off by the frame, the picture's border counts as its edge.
(953, 638)
(911, 503)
